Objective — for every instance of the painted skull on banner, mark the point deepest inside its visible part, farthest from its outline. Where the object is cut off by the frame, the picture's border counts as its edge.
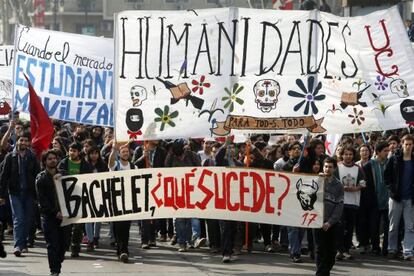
(399, 87)
(266, 93)
(138, 95)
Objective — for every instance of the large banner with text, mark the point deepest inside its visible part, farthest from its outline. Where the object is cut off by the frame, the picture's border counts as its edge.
(239, 194)
(71, 73)
(233, 70)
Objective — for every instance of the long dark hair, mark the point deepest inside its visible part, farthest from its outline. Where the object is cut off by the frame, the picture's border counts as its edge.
(100, 164)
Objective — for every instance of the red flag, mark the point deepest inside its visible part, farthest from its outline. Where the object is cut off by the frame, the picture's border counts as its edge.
(40, 125)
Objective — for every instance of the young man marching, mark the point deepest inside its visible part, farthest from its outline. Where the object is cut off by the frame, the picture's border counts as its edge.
(324, 237)
(57, 237)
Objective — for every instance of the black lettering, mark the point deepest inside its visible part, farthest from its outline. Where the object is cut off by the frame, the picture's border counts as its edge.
(114, 194)
(99, 213)
(262, 69)
(184, 34)
(68, 185)
(134, 192)
(315, 44)
(86, 202)
(343, 64)
(203, 37)
(231, 42)
(295, 29)
(329, 50)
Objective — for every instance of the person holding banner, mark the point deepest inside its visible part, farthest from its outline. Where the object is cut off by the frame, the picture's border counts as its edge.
(188, 230)
(324, 237)
(121, 228)
(18, 176)
(57, 237)
(93, 157)
(71, 165)
(226, 156)
(150, 155)
(295, 234)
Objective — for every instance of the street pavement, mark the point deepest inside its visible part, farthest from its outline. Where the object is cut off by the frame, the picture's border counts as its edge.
(165, 260)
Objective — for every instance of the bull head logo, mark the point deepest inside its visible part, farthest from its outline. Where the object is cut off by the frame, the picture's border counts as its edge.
(306, 194)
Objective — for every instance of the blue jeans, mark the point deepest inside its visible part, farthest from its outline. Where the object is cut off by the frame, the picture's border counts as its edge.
(396, 209)
(93, 230)
(22, 211)
(196, 228)
(183, 230)
(295, 235)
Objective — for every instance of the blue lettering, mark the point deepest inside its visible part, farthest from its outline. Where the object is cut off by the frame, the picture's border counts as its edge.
(30, 62)
(78, 82)
(102, 116)
(56, 90)
(50, 109)
(69, 78)
(44, 65)
(111, 116)
(111, 95)
(21, 101)
(19, 81)
(100, 82)
(87, 85)
(92, 108)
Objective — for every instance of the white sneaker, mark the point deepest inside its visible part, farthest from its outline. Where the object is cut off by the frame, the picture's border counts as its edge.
(200, 242)
(226, 259)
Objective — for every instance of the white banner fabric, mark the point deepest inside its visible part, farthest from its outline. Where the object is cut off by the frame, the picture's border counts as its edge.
(239, 194)
(71, 73)
(218, 72)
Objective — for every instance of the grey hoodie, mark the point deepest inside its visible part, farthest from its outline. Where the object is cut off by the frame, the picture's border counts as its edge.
(333, 201)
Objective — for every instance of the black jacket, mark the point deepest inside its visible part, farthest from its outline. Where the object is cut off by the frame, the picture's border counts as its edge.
(158, 160)
(46, 194)
(221, 158)
(63, 166)
(368, 195)
(9, 177)
(392, 173)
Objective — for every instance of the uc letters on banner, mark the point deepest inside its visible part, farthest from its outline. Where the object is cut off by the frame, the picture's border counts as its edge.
(233, 70)
(239, 194)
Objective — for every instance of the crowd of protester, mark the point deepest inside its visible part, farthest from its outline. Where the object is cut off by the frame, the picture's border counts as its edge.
(368, 195)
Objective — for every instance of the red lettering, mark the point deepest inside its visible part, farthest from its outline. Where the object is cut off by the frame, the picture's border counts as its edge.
(243, 190)
(219, 202)
(169, 200)
(180, 198)
(209, 194)
(230, 206)
(269, 190)
(189, 188)
(258, 184)
(154, 190)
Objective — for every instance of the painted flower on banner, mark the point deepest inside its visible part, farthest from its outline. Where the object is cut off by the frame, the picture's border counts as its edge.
(232, 96)
(165, 117)
(380, 105)
(309, 95)
(381, 84)
(200, 85)
(357, 117)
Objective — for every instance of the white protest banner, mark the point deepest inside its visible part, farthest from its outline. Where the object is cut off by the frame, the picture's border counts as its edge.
(71, 73)
(6, 71)
(239, 194)
(218, 72)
